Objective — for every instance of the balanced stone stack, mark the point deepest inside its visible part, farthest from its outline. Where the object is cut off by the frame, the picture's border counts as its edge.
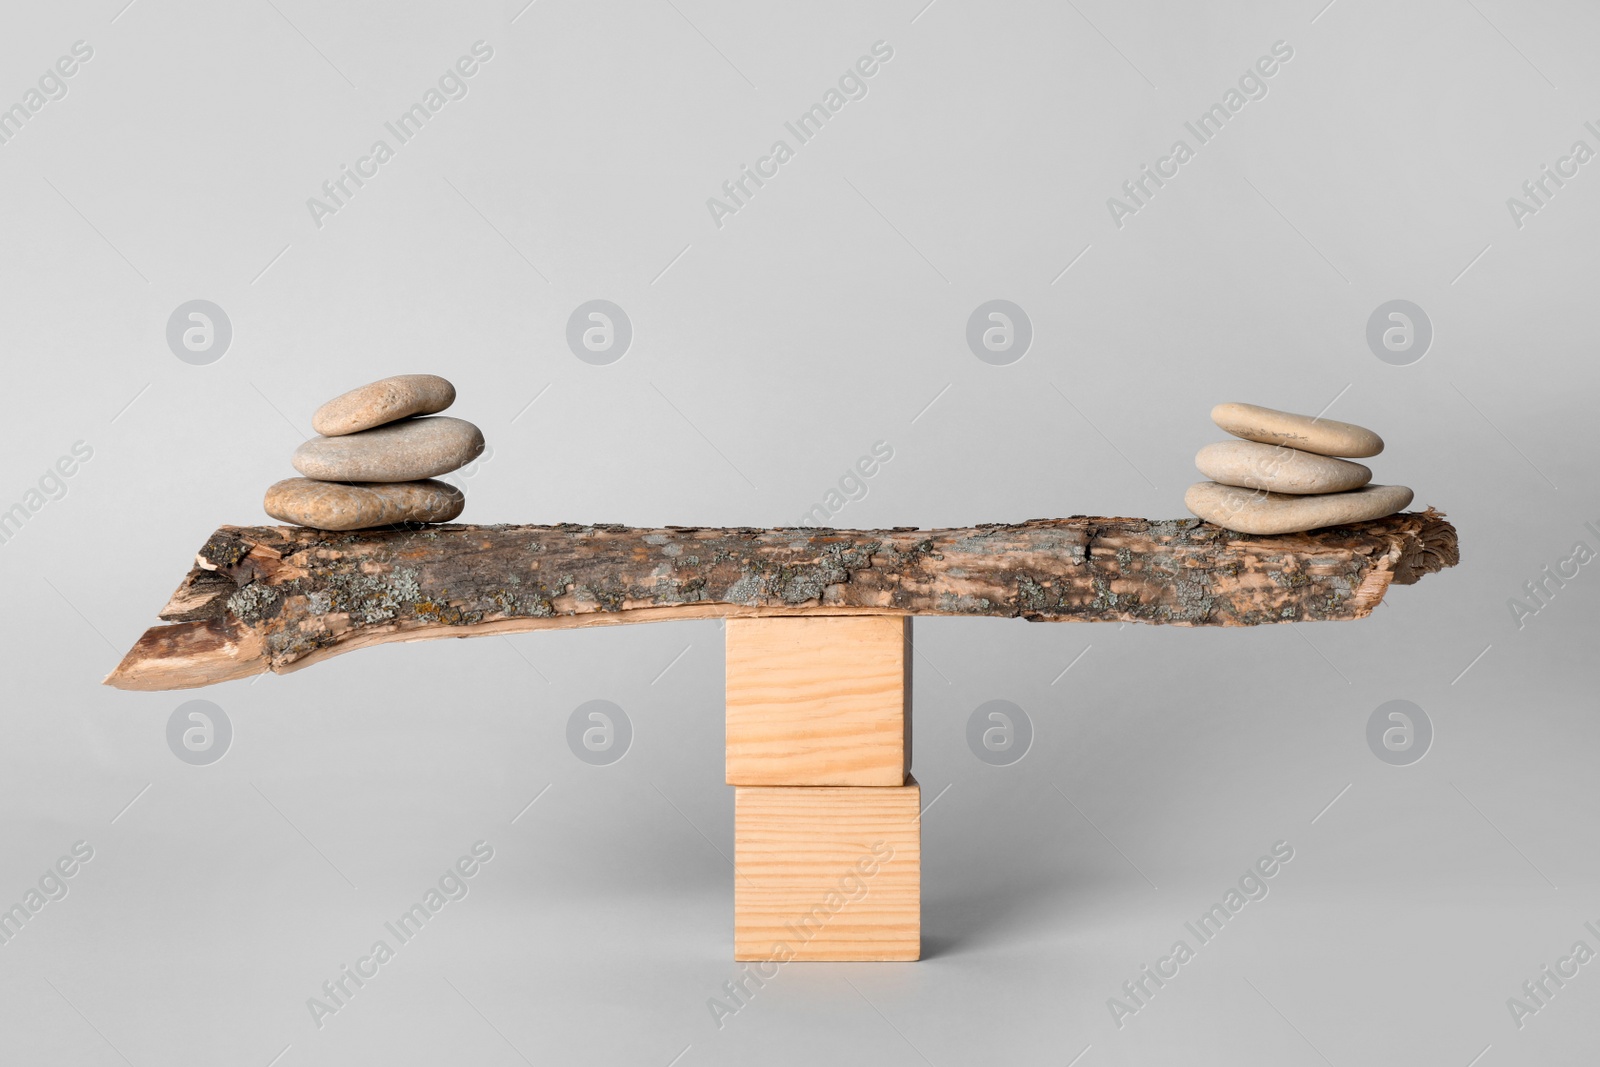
(376, 458)
(1289, 473)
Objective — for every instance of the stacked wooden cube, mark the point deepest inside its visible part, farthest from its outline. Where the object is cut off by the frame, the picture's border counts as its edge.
(827, 818)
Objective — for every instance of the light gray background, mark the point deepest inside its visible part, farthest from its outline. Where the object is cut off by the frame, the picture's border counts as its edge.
(768, 354)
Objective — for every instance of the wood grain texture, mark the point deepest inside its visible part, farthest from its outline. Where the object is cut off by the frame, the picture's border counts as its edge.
(827, 873)
(282, 597)
(819, 701)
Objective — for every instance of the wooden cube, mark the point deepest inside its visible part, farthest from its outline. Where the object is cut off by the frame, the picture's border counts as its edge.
(819, 700)
(827, 873)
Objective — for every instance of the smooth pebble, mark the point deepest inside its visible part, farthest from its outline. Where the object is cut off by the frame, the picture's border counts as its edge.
(383, 401)
(399, 452)
(1305, 432)
(1278, 468)
(335, 506)
(1254, 511)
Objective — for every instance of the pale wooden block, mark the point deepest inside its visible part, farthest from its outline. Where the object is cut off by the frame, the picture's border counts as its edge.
(827, 873)
(819, 700)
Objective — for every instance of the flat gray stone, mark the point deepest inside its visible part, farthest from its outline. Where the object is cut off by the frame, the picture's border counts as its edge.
(399, 452)
(1305, 432)
(383, 401)
(1278, 468)
(1255, 511)
(334, 506)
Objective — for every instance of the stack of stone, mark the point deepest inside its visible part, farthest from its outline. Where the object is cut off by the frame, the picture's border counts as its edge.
(1283, 477)
(376, 458)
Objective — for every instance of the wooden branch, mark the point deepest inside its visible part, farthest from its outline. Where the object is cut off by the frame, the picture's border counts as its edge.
(283, 597)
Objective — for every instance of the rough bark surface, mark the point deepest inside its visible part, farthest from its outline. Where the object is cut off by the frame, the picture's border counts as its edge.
(283, 597)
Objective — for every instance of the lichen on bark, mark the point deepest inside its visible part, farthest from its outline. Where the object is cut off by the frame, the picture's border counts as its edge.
(272, 597)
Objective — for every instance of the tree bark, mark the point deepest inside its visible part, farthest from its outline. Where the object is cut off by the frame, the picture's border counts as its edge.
(284, 597)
